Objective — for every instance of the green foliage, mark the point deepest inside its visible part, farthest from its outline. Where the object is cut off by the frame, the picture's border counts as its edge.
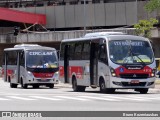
(143, 27)
(152, 5)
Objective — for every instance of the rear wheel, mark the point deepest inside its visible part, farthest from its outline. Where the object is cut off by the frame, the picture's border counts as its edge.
(77, 88)
(12, 85)
(143, 90)
(35, 86)
(51, 86)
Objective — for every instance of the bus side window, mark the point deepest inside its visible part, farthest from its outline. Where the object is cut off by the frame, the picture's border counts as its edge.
(12, 58)
(3, 59)
(78, 50)
(62, 52)
(103, 54)
(86, 51)
(71, 50)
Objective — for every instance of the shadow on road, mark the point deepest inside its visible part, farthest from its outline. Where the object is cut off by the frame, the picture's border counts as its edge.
(36, 88)
(116, 92)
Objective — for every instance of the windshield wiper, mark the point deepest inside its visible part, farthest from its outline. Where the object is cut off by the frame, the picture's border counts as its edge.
(132, 54)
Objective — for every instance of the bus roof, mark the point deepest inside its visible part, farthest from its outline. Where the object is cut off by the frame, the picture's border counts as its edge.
(96, 34)
(21, 47)
(26, 45)
(109, 35)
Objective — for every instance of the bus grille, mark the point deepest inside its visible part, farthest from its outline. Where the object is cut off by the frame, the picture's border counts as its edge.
(137, 84)
(134, 76)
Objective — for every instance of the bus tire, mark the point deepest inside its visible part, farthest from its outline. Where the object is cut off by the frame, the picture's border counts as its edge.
(77, 88)
(102, 86)
(35, 86)
(24, 86)
(51, 86)
(12, 85)
(9, 79)
(82, 88)
(143, 90)
(110, 90)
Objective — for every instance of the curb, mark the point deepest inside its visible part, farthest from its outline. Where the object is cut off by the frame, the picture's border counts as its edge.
(157, 81)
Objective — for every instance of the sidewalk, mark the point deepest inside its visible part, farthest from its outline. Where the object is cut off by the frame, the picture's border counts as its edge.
(157, 84)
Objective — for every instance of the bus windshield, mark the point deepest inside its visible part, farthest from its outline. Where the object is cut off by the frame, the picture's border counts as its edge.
(41, 59)
(130, 52)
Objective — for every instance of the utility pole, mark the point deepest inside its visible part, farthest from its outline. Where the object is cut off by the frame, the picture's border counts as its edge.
(84, 9)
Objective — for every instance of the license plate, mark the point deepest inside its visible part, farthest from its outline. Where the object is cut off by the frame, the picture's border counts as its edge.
(134, 81)
(43, 80)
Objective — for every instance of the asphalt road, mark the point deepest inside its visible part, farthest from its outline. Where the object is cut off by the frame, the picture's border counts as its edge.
(62, 98)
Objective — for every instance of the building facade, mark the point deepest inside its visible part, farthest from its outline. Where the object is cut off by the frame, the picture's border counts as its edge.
(94, 14)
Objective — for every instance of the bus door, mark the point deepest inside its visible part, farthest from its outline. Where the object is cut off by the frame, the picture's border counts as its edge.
(66, 63)
(94, 62)
(11, 66)
(5, 66)
(17, 73)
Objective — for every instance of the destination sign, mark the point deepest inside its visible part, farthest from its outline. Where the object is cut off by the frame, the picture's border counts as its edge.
(127, 43)
(41, 53)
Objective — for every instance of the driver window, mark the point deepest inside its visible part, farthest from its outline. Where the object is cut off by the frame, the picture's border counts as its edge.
(103, 54)
(22, 61)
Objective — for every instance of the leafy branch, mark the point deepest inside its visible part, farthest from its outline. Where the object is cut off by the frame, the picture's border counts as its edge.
(143, 27)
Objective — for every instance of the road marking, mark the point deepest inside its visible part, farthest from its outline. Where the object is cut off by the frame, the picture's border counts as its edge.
(8, 94)
(99, 98)
(127, 98)
(146, 97)
(4, 99)
(20, 98)
(73, 98)
(46, 98)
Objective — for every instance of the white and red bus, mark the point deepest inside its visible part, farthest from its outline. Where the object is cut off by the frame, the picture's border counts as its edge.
(30, 64)
(109, 60)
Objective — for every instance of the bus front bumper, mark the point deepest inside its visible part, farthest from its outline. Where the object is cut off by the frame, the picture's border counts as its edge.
(132, 83)
(43, 81)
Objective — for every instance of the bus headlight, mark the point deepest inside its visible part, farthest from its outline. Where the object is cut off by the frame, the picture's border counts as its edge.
(56, 74)
(113, 72)
(153, 73)
(30, 74)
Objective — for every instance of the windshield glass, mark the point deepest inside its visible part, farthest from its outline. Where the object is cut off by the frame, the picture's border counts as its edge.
(41, 59)
(130, 52)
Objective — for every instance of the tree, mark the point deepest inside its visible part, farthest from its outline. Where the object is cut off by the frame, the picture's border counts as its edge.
(143, 27)
(152, 5)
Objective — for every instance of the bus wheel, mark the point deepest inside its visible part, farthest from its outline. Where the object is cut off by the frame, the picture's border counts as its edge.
(110, 90)
(82, 88)
(143, 90)
(74, 85)
(23, 85)
(77, 88)
(51, 86)
(35, 86)
(12, 85)
(102, 86)
(9, 79)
